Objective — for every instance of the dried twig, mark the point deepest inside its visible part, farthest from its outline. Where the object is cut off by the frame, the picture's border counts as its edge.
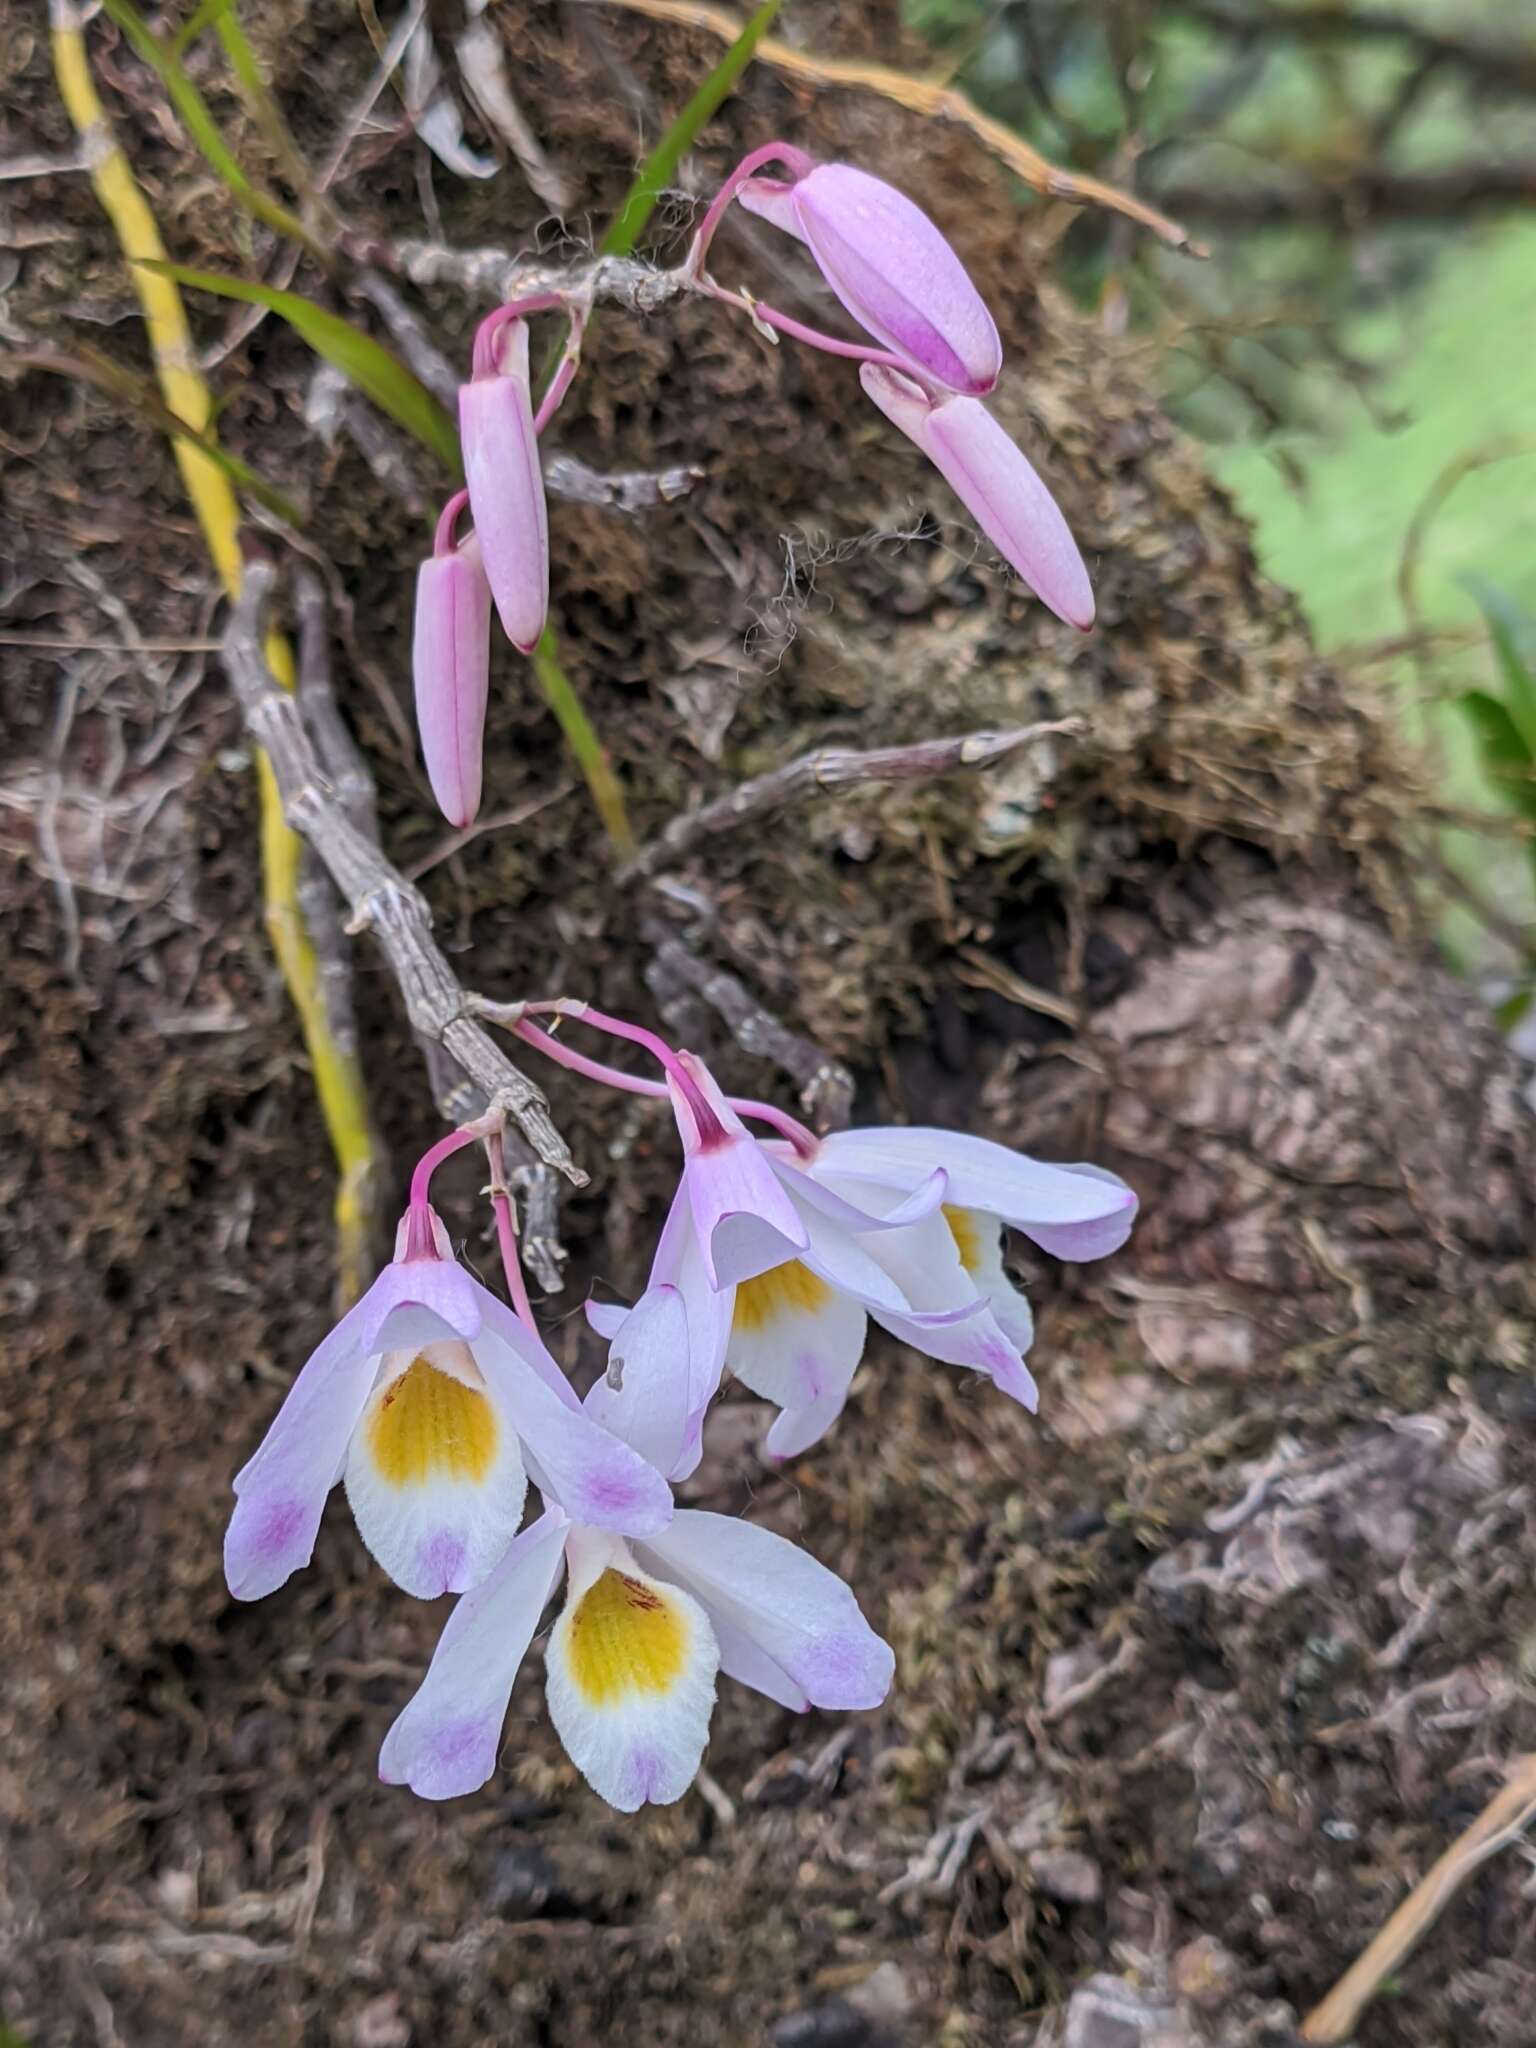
(628, 490)
(826, 1086)
(483, 67)
(1364, 191)
(834, 768)
(343, 765)
(565, 476)
(493, 274)
(1505, 1816)
(935, 102)
(410, 336)
(380, 899)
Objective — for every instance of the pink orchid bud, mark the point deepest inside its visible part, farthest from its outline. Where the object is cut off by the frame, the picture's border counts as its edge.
(996, 483)
(506, 488)
(451, 660)
(891, 268)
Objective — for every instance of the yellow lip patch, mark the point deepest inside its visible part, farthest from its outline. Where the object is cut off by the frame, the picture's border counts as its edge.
(430, 1425)
(625, 1637)
(782, 1290)
(963, 1229)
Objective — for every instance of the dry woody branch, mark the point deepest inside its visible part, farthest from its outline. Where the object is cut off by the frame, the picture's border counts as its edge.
(379, 899)
(836, 768)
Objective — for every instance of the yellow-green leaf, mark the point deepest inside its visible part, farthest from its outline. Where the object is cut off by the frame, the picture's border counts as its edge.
(377, 373)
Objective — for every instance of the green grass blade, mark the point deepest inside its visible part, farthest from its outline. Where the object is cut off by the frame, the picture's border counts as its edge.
(587, 749)
(1513, 632)
(660, 167)
(195, 24)
(260, 104)
(203, 129)
(377, 373)
(137, 394)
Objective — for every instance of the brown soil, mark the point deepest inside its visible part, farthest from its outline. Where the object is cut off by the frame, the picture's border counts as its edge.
(1138, 1729)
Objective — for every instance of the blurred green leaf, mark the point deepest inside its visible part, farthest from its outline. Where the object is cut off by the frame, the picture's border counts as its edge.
(1507, 757)
(1508, 761)
(660, 167)
(377, 373)
(1514, 1009)
(200, 19)
(1512, 630)
(259, 102)
(163, 60)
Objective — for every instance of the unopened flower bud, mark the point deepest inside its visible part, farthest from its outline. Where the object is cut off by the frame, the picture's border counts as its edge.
(506, 489)
(890, 267)
(997, 484)
(451, 664)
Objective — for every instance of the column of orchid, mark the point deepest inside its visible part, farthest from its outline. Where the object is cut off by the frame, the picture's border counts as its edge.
(436, 1404)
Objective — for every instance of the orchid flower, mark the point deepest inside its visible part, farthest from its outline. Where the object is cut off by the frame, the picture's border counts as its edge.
(781, 1254)
(644, 1628)
(436, 1405)
(451, 656)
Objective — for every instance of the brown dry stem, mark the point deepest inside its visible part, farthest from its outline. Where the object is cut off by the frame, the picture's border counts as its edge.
(937, 102)
(836, 768)
(825, 1084)
(378, 896)
(1505, 1817)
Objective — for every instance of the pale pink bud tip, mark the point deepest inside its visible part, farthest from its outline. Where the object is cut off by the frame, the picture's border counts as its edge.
(998, 486)
(451, 660)
(891, 268)
(506, 490)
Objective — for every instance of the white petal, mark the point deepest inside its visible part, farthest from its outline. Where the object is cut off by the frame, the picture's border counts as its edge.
(819, 1187)
(445, 1742)
(793, 1609)
(1095, 1239)
(967, 1314)
(607, 1318)
(439, 1288)
(850, 1264)
(708, 1310)
(797, 1341)
(280, 1492)
(924, 1259)
(797, 1429)
(1051, 1204)
(571, 1457)
(435, 1472)
(744, 1220)
(979, 1241)
(631, 1676)
(649, 1408)
(743, 1660)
